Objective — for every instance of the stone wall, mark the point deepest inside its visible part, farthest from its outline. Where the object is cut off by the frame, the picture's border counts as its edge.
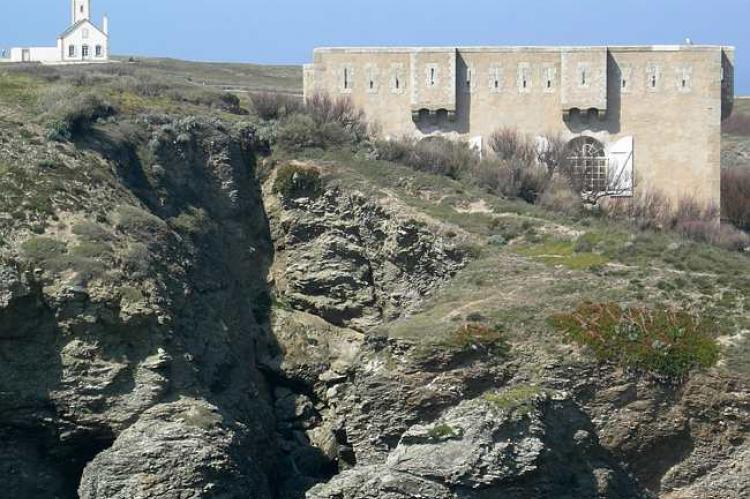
(669, 99)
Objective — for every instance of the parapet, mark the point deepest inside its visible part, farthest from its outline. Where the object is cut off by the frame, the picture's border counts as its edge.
(584, 81)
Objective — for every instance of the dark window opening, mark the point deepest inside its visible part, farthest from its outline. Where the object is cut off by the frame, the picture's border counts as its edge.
(653, 81)
(346, 79)
(497, 84)
(372, 84)
(398, 83)
(98, 50)
(71, 51)
(583, 78)
(524, 83)
(432, 77)
(549, 83)
(624, 83)
(684, 83)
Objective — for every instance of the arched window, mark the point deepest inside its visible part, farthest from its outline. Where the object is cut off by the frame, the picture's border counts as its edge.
(588, 164)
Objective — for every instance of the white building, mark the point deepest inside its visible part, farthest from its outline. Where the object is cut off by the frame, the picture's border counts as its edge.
(82, 42)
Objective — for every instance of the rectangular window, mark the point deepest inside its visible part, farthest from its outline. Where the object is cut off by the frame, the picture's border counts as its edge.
(346, 79)
(98, 50)
(85, 51)
(496, 78)
(524, 77)
(71, 50)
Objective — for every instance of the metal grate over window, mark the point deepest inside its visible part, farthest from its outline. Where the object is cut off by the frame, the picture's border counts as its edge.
(589, 163)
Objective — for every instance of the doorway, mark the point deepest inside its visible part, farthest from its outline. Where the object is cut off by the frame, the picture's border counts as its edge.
(26, 55)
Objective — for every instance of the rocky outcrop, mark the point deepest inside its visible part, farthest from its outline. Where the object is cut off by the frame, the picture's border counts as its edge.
(186, 448)
(354, 261)
(130, 319)
(495, 446)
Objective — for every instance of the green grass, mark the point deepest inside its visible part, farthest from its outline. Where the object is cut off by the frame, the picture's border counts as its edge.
(562, 252)
(18, 90)
(517, 399)
(661, 340)
(444, 432)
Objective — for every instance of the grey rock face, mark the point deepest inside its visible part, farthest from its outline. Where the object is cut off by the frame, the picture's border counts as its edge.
(542, 447)
(354, 262)
(112, 357)
(177, 450)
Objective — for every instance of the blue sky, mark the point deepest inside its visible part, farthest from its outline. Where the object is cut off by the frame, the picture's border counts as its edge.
(285, 31)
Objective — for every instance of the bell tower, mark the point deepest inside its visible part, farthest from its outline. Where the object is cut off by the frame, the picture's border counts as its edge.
(81, 10)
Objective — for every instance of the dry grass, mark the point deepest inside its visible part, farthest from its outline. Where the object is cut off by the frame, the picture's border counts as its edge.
(274, 106)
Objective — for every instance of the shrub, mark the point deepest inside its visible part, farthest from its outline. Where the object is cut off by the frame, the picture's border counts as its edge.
(71, 117)
(433, 154)
(735, 196)
(300, 131)
(274, 106)
(193, 221)
(661, 340)
(41, 249)
(325, 110)
(559, 196)
(511, 178)
(737, 124)
(518, 399)
(91, 232)
(136, 260)
(52, 256)
(138, 222)
(510, 144)
(88, 249)
(716, 233)
(475, 336)
(295, 181)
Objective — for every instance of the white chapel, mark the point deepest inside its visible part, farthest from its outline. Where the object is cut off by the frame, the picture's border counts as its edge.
(82, 42)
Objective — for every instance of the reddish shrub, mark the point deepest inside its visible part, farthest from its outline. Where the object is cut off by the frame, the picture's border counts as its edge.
(737, 124)
(735, 196)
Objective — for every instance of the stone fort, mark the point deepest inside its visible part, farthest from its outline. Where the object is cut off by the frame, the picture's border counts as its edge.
(642, 117)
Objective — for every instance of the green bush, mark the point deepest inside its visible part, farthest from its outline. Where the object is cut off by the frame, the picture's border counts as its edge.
(475, 336)
(434, 155)
(91, 232)
(341, 111)
(88, 249)
(43, 249)
(274, 106)
(136, 260)
(71, 117)
(295, 181)
(301, 131)
(52, 255)
(660, 340)
(193, 221)
(137, 222)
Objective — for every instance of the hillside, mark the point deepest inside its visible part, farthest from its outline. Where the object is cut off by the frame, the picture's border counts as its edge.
(200, 301)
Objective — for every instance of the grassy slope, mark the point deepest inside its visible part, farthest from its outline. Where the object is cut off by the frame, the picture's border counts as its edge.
(225, 76)
(544, 269)
(551, 264)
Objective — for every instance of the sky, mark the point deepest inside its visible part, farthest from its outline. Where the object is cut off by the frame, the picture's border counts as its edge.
(286, 31)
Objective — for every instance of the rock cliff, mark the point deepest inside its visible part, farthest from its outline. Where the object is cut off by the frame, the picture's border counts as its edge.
(172, 326)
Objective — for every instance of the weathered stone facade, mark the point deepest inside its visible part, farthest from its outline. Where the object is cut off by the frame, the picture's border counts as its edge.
(656, 110)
